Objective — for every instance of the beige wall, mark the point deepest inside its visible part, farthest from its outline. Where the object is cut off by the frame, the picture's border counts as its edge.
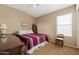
(12, 18)
(78, 27)
(47, 24)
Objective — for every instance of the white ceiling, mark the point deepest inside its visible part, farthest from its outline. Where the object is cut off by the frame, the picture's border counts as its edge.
(42, 9)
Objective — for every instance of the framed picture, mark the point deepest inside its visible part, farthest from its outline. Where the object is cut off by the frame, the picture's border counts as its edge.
(24, 24)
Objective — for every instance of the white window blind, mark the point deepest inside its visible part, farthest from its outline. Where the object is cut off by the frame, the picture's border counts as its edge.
(64, 24)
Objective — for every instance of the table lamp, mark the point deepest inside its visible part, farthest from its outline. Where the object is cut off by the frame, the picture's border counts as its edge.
(3, 31)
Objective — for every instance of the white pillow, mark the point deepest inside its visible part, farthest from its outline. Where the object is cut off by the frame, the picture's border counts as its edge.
(29, 31)
(25, 31)
(22, 32)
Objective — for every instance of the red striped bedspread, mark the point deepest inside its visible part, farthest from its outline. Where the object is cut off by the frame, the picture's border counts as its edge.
(34, 39)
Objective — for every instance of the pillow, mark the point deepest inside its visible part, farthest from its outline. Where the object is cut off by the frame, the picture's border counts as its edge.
(29, 31)
(25, 31)
(22, 32)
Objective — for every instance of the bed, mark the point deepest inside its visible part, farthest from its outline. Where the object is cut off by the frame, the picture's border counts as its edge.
(33, 41)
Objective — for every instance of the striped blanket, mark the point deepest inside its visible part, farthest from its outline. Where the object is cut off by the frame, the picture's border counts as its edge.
(34, 41)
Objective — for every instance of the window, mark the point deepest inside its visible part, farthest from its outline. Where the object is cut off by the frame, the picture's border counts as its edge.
(64, 24)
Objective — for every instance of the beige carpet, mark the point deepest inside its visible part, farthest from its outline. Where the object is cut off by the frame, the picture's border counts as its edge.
(51, 49)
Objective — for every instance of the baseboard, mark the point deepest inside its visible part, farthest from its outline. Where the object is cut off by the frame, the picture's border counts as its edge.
(70, 45)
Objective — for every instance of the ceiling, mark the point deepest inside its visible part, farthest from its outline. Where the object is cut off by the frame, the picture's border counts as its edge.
(40, 9)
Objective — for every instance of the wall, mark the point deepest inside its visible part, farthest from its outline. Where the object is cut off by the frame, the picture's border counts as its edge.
(12, 18)
(78, 31)
(47, 24)
(78, 27)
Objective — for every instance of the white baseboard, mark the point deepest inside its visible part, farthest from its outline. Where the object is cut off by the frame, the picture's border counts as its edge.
(70, 45)
(67, 45)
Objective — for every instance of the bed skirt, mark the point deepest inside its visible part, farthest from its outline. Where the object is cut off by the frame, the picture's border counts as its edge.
(36, 47)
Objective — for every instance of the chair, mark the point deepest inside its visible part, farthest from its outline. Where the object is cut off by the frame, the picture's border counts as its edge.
(59, 40)
(4, 53)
